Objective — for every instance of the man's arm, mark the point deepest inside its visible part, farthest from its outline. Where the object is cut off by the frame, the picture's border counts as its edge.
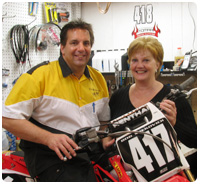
(28, 131)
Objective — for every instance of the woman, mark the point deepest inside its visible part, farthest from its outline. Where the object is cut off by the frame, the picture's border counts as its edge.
(146, 58)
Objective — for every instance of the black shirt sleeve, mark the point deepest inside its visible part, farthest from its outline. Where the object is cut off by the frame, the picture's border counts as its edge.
(185, 126)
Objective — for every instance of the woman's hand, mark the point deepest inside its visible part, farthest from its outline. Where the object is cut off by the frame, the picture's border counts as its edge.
(170, 112)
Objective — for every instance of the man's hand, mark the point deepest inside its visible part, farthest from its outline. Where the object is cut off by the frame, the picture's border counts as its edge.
(62, 143)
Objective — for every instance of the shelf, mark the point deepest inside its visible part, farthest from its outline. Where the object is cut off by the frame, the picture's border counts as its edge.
(163, 73)
(176, 73)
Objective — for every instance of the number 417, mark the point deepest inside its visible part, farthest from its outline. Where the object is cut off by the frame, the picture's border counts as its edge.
(141, 158)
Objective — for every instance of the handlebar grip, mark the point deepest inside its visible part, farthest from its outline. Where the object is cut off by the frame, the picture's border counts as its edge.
(187, 82)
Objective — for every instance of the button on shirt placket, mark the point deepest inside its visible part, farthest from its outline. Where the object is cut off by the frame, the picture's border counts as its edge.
(79, 91)
(79, 83)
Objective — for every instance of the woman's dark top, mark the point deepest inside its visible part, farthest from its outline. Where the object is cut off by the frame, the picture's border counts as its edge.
(185, 126)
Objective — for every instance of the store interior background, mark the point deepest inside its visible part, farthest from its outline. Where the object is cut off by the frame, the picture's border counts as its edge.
(177, 22)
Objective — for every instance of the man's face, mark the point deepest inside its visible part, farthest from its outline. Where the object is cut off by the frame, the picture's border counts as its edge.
(76, 52)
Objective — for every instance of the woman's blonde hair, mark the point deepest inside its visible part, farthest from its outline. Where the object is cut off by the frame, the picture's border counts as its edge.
(152, 45)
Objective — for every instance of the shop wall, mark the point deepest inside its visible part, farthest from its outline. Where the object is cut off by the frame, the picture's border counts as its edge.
(112, 30)
(176, 21)
(15, 13)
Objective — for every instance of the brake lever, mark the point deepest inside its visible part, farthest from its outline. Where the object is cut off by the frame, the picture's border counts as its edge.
(189, 92)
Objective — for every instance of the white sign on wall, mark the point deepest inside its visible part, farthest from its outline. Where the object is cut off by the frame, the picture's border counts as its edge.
(176, 21)
(144, 21)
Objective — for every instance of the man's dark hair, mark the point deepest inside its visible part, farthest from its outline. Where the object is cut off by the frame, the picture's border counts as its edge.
(79, 23)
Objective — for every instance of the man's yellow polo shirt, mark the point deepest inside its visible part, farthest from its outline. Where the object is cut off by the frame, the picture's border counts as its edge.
(56, 98)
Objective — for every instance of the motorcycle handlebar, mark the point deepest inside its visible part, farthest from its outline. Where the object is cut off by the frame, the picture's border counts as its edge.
(178, 91)
(92, 136)
(187, 82)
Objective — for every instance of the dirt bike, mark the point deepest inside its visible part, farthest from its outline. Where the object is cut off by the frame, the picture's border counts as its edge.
(14, 167)
(147, 146)
(147, 152)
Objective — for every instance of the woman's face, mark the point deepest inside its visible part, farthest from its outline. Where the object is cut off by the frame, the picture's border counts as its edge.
(143, 65)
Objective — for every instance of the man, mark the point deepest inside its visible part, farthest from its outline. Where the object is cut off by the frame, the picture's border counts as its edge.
(53, 100)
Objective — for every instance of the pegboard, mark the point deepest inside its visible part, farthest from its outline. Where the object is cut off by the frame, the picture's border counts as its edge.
(14, 13)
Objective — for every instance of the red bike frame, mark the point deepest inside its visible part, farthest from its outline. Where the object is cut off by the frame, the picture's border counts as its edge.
(116, 162)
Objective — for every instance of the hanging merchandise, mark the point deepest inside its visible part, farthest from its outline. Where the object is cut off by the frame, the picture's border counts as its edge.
(19, 42)
(56, 13)
(45, 34)
(103, 11)
(41, 39)
(62, 13)
(33, 8)
(53, 34)
(5, 77)
(50, 12)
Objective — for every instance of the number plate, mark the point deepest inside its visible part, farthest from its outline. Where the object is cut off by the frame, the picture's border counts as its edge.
(148, 157)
